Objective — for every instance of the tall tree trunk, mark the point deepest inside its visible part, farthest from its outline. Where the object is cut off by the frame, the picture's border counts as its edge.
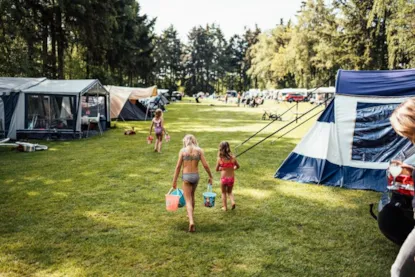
(30, 45)
(53, 36)
(45, 35)
(61, 43)
(120, 77)
(130, 79)
(87, 60)
(30, 56)
(207, 79)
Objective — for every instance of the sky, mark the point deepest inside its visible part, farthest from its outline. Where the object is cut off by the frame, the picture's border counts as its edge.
(231, 15)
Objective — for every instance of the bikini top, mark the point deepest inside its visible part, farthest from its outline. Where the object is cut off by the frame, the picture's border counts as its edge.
(226, 165)
(188, 157)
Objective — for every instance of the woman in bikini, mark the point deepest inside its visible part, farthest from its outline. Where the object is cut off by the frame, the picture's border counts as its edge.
(226, 164)
(158, 124)
(189, 157)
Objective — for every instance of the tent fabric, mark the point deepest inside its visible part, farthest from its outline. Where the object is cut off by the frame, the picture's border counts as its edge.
(62, 87)
(352, 142)
(164, 100)
(2, 117)
(121, 95)
(9, 94)
(130, 111)
(387, 83)
(15, 93)
(9, 84)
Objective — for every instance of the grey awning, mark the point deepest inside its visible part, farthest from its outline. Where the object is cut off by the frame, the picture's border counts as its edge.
(9, 84)
(68, 87)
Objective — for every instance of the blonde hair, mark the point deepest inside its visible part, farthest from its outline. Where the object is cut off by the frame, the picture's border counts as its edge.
(403, 119)
(190, 141)
(158, 113)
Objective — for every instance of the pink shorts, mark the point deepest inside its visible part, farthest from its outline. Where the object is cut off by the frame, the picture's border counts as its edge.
(227, 181)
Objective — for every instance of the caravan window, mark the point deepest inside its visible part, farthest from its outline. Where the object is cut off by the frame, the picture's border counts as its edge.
(91, 105)
(374, 140)
(50, 112)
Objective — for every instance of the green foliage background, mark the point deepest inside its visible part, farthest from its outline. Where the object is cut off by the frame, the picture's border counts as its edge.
(112, 41)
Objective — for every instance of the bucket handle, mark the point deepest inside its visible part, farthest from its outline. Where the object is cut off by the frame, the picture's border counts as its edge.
(175, 189)
(209, 188)
(170, 190)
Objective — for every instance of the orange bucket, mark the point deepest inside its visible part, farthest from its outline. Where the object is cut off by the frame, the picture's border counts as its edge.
(172, 201)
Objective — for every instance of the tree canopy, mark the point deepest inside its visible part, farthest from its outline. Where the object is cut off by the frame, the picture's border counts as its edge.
(114, 42)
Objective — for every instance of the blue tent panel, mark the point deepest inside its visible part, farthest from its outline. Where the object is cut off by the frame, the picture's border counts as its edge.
(304, 169)
(328, 114)
(376, 83)
(374, 139)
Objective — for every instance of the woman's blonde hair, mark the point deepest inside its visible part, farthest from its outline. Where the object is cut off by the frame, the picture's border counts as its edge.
(403, 119)
(190, 141)
(158, 113)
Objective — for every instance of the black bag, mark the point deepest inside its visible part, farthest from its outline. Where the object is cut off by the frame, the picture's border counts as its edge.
(396, 219)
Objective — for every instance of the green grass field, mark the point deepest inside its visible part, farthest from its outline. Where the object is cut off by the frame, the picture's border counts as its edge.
(95, 207)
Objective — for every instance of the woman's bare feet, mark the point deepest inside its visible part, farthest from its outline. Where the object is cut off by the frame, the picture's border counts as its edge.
(224, 209)
(192, 228)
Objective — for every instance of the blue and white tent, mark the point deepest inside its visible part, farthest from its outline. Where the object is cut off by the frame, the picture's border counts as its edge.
(352, 142)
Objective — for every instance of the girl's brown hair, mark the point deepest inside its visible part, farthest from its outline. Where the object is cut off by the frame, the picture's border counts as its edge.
(225, 150)
(403, 119)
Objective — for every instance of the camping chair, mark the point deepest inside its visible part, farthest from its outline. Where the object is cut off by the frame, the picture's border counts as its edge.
(23, 146)
(271, 115)
(94, 120)
(33, 123)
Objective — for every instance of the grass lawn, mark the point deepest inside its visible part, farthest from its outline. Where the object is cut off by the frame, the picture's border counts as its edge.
(95, 207)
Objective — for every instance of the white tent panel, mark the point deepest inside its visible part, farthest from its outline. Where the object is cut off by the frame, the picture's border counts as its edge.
(320, 143)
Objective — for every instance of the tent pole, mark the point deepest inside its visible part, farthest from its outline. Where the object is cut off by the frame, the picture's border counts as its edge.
(296, 112)
(308, 96)
(282, 128)
(146, 113)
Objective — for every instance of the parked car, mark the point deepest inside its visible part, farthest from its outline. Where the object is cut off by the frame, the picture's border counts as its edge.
(293, 97)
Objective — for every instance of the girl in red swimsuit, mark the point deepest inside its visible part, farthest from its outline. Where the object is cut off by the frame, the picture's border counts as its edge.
(227, 165)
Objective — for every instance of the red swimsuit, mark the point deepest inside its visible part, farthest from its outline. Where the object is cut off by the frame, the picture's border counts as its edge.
(227, 181)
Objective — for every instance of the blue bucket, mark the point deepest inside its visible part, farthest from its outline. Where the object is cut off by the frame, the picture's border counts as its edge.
(209, 197)
(179, 192)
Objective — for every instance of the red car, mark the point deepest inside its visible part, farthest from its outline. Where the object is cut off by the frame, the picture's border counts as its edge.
(293, 97)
